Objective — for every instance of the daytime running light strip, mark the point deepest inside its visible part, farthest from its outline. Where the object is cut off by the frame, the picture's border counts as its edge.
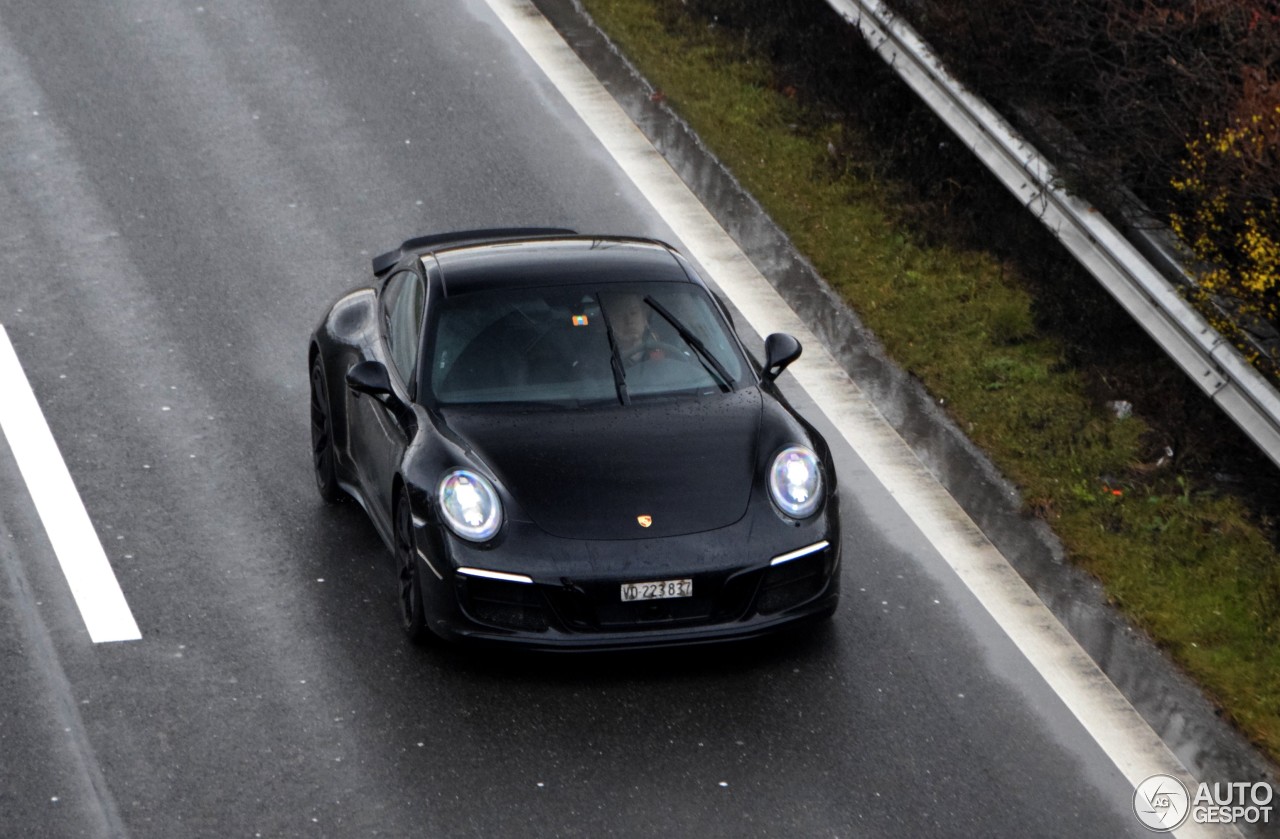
(796, 554)
(495, 575)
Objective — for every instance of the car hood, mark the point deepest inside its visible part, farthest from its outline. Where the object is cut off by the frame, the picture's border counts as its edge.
(592, 474)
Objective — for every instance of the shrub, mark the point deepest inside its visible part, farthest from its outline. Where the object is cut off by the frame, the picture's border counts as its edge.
(1231, 225)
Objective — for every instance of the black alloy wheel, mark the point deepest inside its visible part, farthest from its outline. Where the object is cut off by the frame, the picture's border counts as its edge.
(412, 618)
(322, 455)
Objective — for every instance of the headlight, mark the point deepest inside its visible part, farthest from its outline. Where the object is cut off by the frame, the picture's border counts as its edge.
(470, 505)
(795, 482)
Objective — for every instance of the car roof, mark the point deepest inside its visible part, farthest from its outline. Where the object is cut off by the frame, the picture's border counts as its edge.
(554, 261)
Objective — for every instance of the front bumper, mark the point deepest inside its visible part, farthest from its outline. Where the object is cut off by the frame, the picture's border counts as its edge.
(560, 594)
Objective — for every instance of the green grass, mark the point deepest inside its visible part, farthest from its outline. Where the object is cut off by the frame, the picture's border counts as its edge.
(1186, 564)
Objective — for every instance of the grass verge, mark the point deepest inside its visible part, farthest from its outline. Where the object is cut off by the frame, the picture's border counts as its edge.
(1016, 359)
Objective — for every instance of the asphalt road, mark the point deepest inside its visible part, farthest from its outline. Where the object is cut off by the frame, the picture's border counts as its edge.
(183, 188)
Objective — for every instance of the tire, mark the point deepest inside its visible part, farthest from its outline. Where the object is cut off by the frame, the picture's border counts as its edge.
(323, 456)
(413, 619)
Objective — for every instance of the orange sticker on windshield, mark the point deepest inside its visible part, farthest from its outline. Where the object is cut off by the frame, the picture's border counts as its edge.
(579, 320)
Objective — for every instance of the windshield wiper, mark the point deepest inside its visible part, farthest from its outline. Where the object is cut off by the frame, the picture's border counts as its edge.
(615, 361)
(708, 361)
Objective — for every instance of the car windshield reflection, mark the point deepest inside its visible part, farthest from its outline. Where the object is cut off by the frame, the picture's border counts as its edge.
(581, 346)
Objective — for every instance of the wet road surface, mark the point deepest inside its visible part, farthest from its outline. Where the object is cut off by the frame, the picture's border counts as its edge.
(183, 189)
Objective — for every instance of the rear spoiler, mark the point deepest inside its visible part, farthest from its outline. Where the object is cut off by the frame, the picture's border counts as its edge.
(422, 244)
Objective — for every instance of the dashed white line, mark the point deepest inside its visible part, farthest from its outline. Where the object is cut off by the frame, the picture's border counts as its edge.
(75, 542)
(1099, 706)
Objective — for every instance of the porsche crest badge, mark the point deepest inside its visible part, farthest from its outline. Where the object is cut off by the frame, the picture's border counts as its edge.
(644, 521)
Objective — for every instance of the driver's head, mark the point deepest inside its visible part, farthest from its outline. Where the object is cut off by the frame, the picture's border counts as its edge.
(629, 317)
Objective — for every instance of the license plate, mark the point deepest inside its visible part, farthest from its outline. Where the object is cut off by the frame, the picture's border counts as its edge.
(657, 590)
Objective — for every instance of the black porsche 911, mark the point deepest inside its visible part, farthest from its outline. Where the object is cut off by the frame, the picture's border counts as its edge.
(565, 446)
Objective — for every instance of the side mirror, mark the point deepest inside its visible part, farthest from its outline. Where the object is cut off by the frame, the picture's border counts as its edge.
(780, 349)
(371, 379)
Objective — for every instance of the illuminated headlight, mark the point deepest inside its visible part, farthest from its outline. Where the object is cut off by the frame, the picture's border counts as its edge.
(795, 482)
(470, 505)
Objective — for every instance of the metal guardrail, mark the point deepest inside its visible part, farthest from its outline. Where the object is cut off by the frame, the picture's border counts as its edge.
(1208, 358)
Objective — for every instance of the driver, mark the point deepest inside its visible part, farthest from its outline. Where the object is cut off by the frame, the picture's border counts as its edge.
(629, 318)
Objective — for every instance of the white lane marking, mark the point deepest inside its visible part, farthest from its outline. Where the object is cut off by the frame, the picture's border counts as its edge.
(93, 584)
(1113, 723)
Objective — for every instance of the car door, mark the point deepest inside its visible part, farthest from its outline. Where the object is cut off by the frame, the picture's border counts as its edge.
(383, 428)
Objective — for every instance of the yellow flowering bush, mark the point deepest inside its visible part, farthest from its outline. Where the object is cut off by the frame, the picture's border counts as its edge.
(1231, 213)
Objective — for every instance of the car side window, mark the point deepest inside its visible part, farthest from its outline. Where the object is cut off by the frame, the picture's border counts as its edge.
(402, 309)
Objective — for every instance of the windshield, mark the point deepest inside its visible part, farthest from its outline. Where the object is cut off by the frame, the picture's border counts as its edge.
(576, 345)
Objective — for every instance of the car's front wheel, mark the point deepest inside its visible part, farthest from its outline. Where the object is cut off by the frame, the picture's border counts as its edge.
(409, 580)
(322, 453)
